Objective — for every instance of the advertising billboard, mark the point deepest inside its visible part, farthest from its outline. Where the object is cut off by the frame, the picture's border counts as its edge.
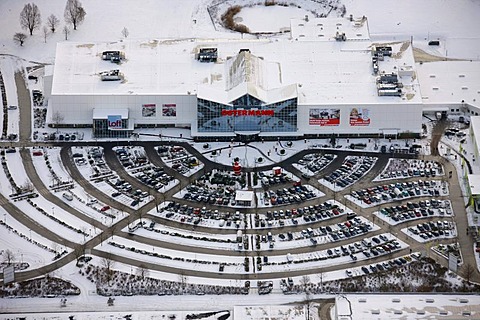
(359, 117)
(8, 274)
(149, 110)
(169, 110)
(324, 117)
(114, 122)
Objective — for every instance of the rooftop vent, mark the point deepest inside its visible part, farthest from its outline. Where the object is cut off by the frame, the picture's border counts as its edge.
(112, 75)
(385, 50)
(113, 56)
(388, 78)
(340, 36)
(208, 55)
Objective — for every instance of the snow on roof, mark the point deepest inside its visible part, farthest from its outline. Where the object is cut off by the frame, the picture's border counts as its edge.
(322, 72)
(408, 306)
(450, 81)
(104, 113)
(322, 29)
(474, 183)
(291, 312)
(241, 195)
(475, 129)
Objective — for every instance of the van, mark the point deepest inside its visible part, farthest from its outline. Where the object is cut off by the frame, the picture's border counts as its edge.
(67, 196)
(265, 181)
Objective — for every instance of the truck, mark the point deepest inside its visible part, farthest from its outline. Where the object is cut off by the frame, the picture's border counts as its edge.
(397, 192)
(239, 236)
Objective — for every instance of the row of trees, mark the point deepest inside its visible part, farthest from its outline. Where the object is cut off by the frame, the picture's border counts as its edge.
(31, 20)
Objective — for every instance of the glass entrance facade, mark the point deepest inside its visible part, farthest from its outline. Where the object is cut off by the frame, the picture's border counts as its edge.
(247, 113)
(101, 130)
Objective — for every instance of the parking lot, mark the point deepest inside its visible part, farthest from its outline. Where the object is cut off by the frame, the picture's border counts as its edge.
(353, 168)
(399, 191)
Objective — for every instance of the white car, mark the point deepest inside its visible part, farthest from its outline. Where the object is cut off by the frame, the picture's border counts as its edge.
(349, 272)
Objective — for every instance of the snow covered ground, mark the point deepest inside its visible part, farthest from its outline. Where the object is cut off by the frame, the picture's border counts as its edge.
(455, 24)
(8, 67)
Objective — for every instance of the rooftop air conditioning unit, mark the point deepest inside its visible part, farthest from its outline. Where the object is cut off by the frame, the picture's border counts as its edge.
(112, 75)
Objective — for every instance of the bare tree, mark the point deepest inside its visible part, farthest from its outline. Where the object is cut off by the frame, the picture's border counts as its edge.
(305, 283)
(28, 186)
(55, 247)
(125, 32)
(57, 117)
(66, 32)
(467, 272)
(52, 22)
(108, 264)
(79, 252)
(30, 18)
(8, 256)
(183, 279)
(308, 302)
(45, 33)
(142, 271)
(74, 13)
(19, 38)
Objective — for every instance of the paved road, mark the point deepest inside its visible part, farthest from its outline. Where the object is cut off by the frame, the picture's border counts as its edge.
(25, 107)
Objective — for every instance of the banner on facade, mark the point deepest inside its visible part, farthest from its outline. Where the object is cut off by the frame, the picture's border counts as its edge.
(359, 117)
(324, 117)
(149, 110)
(169, 110)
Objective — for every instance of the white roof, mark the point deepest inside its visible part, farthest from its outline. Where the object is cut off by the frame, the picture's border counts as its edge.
(99, 113)
(450, 81)
(241, 195)
(319, 72)
(326, 29)
(474, 183)
(475, 129)
(269, 312)
(406, 306)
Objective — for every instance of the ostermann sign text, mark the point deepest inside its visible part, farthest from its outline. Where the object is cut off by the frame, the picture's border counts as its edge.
(238, 113)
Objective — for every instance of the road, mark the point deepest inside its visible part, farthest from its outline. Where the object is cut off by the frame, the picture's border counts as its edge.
(25, 107)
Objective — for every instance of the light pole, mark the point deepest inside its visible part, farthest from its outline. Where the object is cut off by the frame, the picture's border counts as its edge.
(30, 234)
(53, 211)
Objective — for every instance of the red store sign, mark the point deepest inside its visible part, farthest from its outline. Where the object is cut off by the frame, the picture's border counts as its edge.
(238, 113)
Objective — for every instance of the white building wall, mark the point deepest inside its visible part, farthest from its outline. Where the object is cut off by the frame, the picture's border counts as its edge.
(78, 109)
(382, 117)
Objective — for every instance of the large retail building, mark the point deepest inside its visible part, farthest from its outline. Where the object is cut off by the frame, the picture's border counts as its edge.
(325, 77)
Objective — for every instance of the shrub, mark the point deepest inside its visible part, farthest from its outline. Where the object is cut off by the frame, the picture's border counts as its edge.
(241, 28)
(269, 3)
(227, 17)
(229, 22)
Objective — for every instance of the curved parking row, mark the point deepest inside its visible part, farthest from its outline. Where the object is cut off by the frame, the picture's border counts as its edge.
(410, 168)
(386, 193)
(136, 164)
(415, 210)
(352, 169)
